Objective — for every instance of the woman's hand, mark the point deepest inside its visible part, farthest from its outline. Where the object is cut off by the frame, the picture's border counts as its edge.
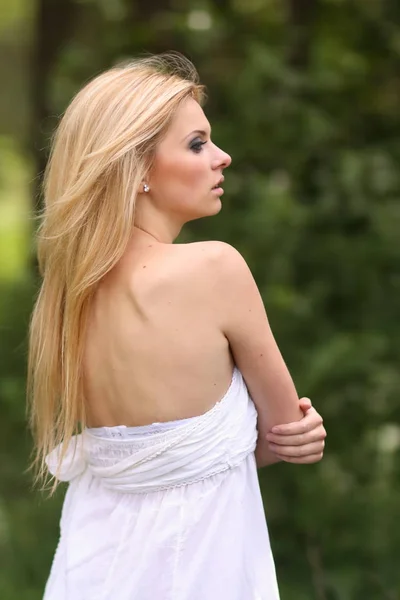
(301, 442)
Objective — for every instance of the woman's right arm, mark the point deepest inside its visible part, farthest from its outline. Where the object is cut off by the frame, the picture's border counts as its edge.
(244, 322)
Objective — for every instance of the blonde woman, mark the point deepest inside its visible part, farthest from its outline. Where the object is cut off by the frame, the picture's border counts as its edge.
(154, 379)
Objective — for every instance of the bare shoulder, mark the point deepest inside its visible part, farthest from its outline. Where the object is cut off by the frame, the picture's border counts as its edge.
(215, 251)
(226, 271)
(196, 274)
(199, 273)
(213, 258)
(214, 276)
(213, 268)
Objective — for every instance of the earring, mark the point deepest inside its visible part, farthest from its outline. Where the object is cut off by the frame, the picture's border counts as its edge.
(146, 188)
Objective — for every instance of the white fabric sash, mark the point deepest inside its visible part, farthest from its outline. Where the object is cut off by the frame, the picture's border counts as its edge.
(198, 448)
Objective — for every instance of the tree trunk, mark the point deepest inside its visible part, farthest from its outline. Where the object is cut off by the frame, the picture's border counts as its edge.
(147, 14)
(301, 19)
(53, 26)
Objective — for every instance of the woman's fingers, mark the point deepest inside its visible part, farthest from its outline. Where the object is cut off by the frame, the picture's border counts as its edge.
(298, 451)
(315, 435)
(310, 421)
(301, 442)
(305, 404)
(304, 460)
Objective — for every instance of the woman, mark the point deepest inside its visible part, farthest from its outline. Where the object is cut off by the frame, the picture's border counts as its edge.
(150, 349)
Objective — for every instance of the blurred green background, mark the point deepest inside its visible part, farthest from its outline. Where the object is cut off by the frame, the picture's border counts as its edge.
(304, 94)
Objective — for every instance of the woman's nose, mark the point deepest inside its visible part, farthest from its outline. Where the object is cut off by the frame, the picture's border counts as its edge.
(222, 160)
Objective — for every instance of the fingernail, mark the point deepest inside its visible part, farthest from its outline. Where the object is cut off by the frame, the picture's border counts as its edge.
(275, 430)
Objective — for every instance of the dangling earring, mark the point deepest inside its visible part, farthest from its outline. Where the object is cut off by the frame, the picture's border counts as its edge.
(146, 188)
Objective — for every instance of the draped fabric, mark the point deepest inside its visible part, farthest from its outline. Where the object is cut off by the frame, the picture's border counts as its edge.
(165, 512)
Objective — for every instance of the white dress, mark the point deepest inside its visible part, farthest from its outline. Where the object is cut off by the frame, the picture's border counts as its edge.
(169, 511)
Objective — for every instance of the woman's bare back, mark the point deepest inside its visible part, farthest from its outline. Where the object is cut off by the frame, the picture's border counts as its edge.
(154, 350)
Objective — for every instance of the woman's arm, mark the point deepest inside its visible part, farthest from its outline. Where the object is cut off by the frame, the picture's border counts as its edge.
(244, 322)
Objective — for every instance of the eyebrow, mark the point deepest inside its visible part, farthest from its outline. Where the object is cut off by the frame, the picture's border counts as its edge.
(200, 131)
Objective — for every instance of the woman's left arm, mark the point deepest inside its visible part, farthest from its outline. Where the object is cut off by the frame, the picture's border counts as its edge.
(301, 442)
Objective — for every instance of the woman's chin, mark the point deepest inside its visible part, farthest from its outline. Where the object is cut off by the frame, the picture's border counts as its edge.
(215, 207)
(208, 210)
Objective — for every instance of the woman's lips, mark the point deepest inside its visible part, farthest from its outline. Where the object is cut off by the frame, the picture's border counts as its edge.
(217, 190)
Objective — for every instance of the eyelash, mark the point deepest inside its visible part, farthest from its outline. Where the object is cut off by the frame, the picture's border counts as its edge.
(196, 146)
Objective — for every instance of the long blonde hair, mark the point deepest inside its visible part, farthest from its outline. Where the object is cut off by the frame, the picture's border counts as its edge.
(100, 155)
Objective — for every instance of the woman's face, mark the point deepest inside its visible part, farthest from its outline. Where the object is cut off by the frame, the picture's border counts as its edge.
(188, 167)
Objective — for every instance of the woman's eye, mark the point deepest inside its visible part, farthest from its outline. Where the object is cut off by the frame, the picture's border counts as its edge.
(196, 146)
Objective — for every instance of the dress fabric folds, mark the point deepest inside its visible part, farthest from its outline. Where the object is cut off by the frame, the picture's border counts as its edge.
(168, 511)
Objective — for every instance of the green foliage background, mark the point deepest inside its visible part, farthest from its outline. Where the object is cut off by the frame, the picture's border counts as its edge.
(304, 94)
